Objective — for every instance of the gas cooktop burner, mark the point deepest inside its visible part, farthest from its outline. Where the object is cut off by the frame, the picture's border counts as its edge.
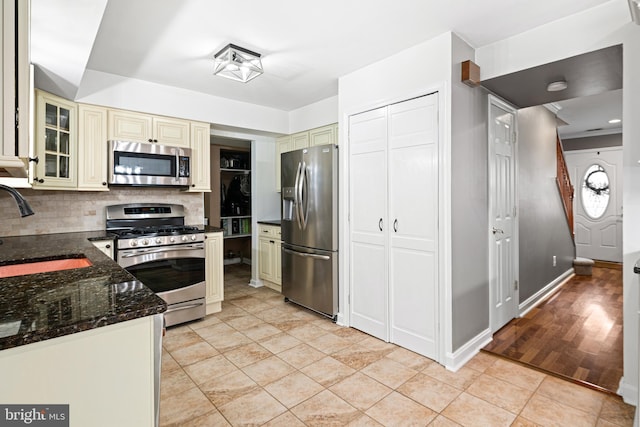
(161, 230)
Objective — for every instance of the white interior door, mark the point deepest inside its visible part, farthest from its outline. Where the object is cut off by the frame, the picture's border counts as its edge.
(368, 210)
(503, 249)
(413, 228)
(597, 178)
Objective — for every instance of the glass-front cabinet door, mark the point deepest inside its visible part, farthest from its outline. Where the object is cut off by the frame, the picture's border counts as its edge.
(56, 145)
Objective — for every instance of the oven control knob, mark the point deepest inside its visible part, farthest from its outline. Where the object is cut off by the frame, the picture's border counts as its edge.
(172, 239)
(133, 243)
(193, 237)
(158, 240)
(184, 238)
(145, 241)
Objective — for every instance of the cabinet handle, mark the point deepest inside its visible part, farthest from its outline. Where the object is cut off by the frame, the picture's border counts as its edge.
(38, 180)
(34, 159)
(271, 241)
(395, 225)
(108, 246)
(104, 183)
(380, 224)
(150, 140)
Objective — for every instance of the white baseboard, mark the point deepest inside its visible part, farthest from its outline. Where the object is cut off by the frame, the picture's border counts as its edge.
(457, 359)
(628, 392)
(256, 283)
(539, 296)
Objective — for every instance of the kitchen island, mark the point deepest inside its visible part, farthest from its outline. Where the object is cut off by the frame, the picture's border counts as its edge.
(89, 337)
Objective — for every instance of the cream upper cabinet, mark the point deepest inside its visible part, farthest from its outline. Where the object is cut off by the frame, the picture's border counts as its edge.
(55, 143)
(173, 132)
(283, 145)
(299, 140)
(214, 271)
(200, 157)
(14, 84)
(139, 127)
(92, 148)
(129, 126)
(325, 135)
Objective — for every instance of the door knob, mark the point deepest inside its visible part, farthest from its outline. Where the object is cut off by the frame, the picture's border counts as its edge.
(497, 230)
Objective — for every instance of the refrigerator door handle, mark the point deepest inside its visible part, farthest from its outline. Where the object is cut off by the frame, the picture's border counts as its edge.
(306, 255)
(296, 199)
(304, 195)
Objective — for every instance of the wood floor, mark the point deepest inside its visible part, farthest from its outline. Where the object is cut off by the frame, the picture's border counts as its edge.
(576, 333)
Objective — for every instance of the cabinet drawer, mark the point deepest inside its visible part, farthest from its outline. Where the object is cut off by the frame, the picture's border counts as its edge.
(271, 231)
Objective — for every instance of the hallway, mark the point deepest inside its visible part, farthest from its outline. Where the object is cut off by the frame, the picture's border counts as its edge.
(576, 333)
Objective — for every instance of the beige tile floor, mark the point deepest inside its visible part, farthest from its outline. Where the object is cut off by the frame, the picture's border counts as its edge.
(264, 362)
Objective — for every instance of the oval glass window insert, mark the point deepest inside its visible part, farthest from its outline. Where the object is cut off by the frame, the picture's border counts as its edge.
(595, 191)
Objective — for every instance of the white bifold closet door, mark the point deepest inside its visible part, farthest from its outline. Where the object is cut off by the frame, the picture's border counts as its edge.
(393, 175)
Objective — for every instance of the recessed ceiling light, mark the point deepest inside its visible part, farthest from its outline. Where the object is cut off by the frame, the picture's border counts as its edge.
(557, 86)
(614, 121)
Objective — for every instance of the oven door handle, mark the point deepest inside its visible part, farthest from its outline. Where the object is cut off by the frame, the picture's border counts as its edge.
(161, 250)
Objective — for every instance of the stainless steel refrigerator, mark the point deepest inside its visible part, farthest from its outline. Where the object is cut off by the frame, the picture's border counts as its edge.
(309, 195)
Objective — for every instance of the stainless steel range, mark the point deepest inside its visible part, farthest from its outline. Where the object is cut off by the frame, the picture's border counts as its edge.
(154, 244)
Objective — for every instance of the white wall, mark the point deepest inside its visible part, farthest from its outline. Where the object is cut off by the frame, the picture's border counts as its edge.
(602, 26)
(422, 69)
(314, 115)
(138, 95)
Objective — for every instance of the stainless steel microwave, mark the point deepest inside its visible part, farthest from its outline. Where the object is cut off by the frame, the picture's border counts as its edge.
(148, 164)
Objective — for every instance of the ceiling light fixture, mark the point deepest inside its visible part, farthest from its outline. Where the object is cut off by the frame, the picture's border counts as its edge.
(237, 63)
(614, 121)
(557, 86)
(634, 8)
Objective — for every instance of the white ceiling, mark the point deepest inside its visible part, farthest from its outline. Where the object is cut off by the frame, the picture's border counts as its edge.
(306, 45)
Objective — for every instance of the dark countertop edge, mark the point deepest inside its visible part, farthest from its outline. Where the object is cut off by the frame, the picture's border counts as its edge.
(86, 325)
(212, 229)
(142, 303)
(270, 222)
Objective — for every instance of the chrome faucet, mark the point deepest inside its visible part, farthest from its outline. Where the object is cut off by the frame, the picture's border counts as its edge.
(25, 209)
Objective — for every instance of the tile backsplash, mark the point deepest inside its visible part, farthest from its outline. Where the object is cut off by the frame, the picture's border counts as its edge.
(69, 211)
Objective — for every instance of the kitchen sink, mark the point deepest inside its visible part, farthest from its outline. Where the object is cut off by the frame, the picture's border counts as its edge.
(40, 266)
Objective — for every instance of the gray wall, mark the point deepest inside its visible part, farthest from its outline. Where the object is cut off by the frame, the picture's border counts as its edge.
(469, 215)
(543, 227)
(586, 143)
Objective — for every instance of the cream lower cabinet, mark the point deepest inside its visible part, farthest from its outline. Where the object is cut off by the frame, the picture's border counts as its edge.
(106, 246)
(99, 373)
(269, 258)
(393, 181)
(214, 271)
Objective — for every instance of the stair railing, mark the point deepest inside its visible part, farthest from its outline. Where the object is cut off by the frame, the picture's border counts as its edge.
(564, 183)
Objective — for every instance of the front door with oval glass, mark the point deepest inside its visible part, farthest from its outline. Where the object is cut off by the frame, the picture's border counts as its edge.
(597, 178)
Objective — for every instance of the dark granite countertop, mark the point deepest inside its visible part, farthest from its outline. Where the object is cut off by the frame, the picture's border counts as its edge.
(211, 229)
(270, 222)
(42, 306)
